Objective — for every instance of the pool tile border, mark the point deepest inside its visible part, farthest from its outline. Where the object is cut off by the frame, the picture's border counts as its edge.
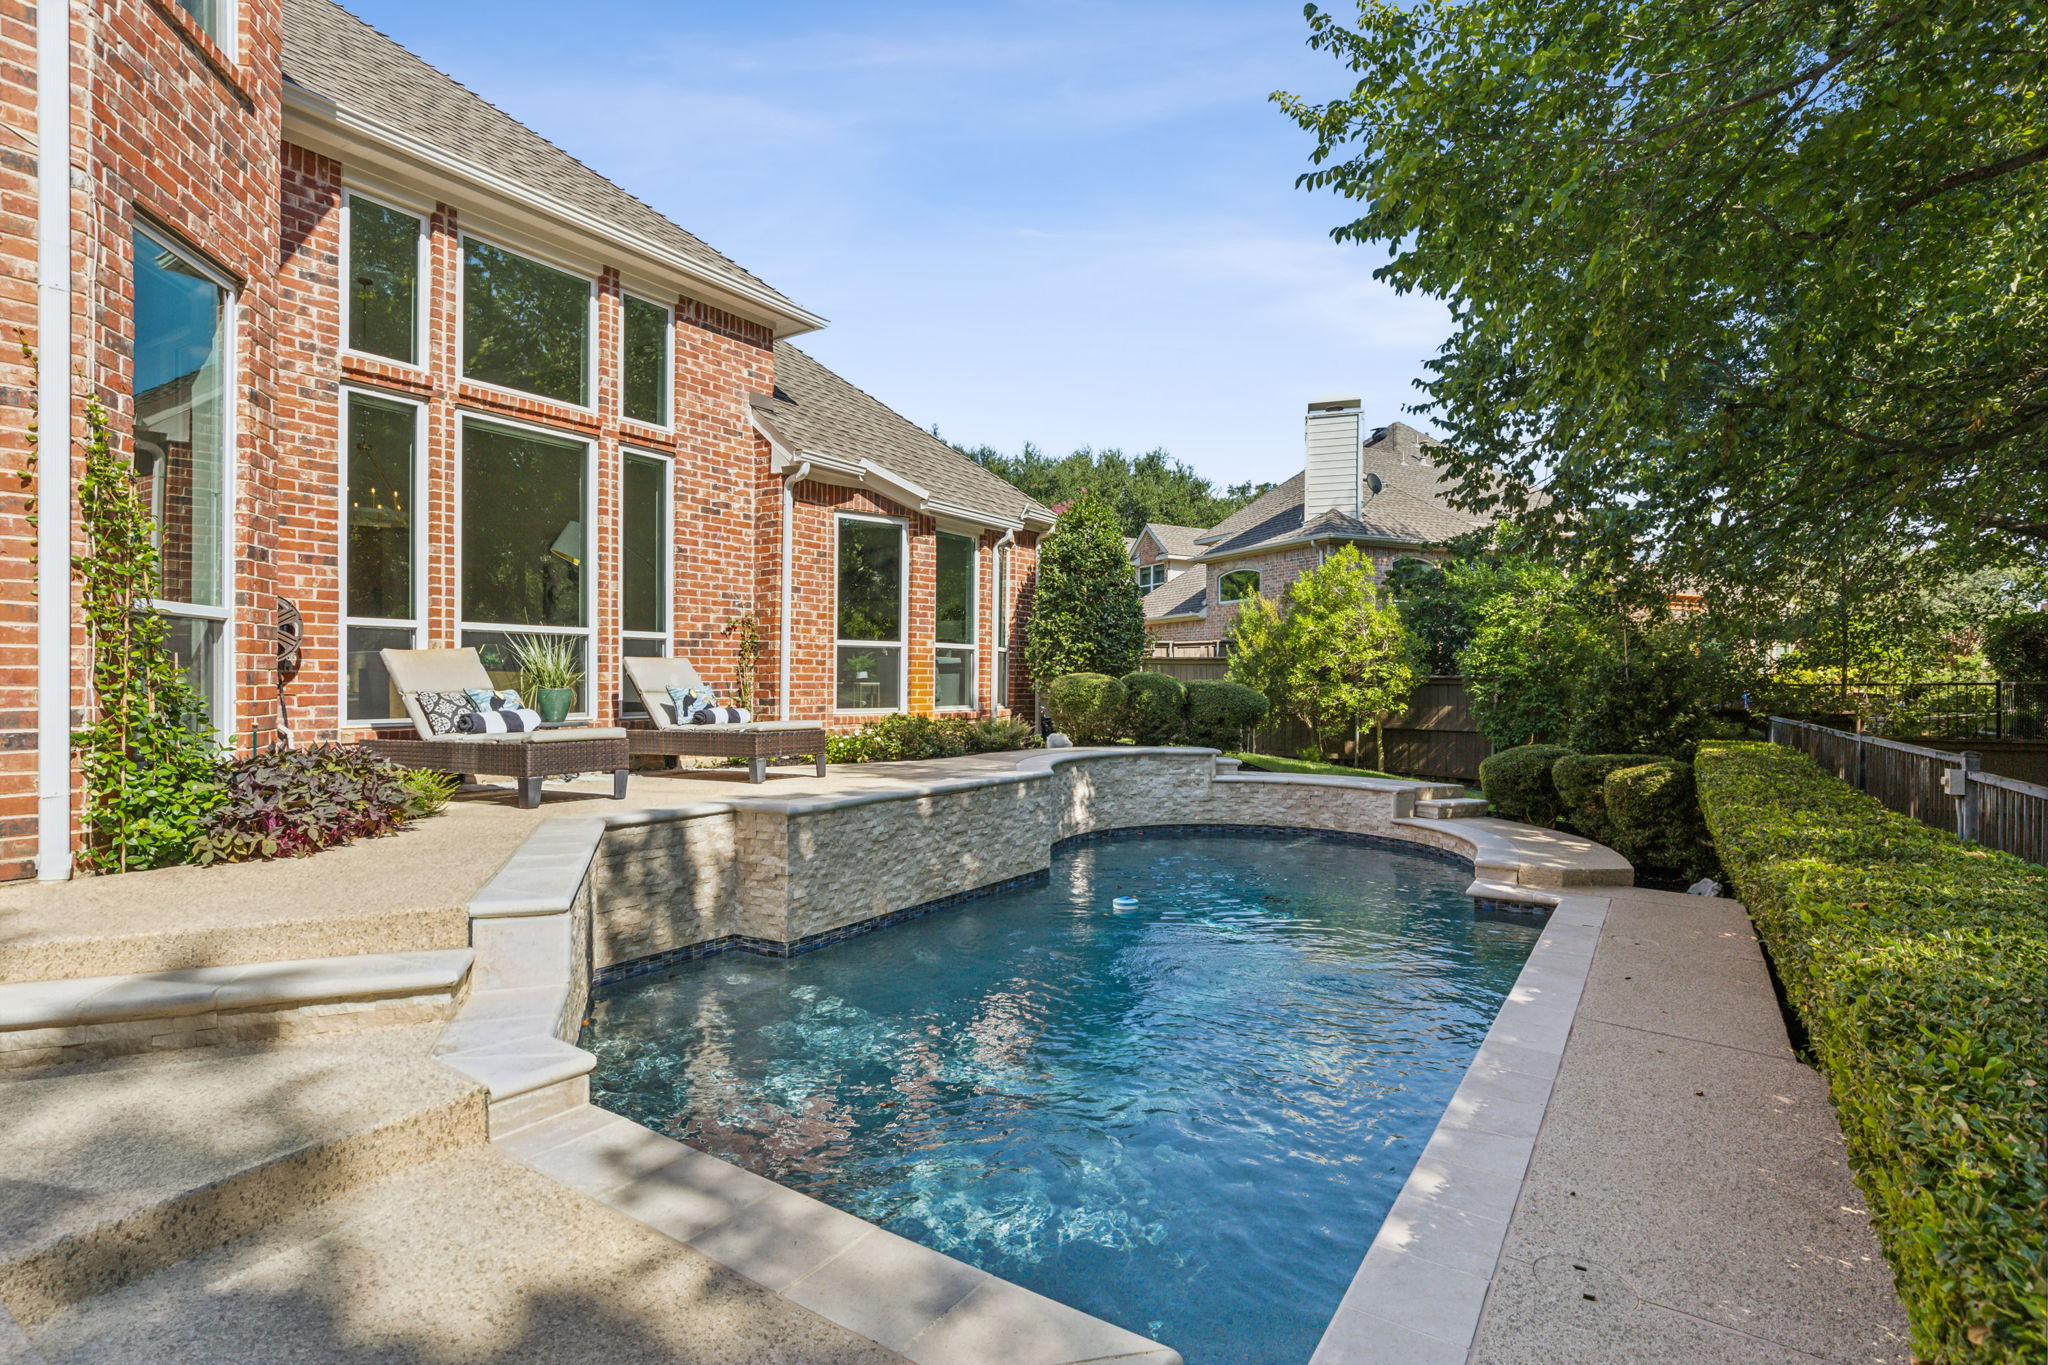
(1418, 1295)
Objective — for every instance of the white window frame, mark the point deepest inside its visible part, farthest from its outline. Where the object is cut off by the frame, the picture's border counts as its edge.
(464, 419)
(1001, 628)
(1152, 577)
(972, 646)
(221, 705)
(901, 644)
(229, 38)
(1223, 601)
(629, 702)
(668, 368)
(420, 543)
(590, 320)
(422, 291)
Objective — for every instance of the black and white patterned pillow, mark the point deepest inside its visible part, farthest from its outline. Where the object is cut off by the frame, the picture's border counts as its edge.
(444, 710)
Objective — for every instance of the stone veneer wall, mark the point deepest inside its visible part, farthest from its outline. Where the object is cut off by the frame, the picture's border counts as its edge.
(787, 870)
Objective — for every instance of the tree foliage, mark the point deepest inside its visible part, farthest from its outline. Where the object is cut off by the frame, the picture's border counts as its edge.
(1085, 611)
(1332, 652)
(1149, 487)
(1735, 280)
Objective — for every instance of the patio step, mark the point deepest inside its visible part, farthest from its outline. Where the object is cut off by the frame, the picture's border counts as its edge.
(467, 1257)
(1450, 808)
(114, 1170)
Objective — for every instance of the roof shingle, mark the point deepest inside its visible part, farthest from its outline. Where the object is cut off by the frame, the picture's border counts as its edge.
(815, 411)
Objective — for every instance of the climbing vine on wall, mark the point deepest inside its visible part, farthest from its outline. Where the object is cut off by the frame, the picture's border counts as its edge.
(150, 767)
(747, 633)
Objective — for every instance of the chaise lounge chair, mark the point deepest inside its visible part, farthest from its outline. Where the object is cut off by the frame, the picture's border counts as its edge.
(529, 757)
(756, 741)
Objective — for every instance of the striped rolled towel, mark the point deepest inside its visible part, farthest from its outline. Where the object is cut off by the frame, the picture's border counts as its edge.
(508, 720)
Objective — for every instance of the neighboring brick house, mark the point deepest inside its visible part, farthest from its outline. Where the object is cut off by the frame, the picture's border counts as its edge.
(382, 354)
(1162, 552)
(1294, 526)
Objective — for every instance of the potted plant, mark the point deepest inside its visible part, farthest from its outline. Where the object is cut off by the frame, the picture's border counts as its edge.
(550, 668)
(862, 665)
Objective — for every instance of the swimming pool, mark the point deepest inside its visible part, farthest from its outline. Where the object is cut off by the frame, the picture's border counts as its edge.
(1187, 1117)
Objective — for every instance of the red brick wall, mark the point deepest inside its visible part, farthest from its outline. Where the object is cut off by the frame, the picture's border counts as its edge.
(814, 614)
(720, 463)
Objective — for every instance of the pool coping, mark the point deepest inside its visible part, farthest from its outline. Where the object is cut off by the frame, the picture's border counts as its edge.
(1408, 1302)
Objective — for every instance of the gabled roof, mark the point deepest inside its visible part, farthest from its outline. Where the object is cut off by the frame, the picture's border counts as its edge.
(1412, 506)
(341, 59)
(1175, 542)
(816, 414)
(1187, 595)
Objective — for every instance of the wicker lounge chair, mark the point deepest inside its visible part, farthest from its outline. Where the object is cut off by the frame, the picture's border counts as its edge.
(529, 757)
(756, 741)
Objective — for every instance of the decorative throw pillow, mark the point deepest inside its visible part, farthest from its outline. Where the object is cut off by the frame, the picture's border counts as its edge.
(444, 710)
(688, 701)
(483, 699)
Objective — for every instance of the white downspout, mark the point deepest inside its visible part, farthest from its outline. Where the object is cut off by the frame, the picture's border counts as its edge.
(53, 445)
(789, 483)
(999, 649)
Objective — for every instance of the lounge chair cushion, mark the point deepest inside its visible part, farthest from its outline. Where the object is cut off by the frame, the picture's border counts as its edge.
(566, 734)
(444, 711)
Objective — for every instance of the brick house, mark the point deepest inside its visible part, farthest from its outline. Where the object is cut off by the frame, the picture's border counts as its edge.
(383, 356)
(1378, 490)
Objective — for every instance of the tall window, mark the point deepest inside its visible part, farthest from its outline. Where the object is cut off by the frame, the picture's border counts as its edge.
(181, 448)
(1002, 631)
(643, 563)
(644, 392)
(383, 281)
(380, 555)
(953, 630)
(1239, 585)
(524, 500)
(870, 643)
(525, 325)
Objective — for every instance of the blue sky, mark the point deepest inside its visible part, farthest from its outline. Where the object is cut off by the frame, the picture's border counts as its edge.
(1068, 223)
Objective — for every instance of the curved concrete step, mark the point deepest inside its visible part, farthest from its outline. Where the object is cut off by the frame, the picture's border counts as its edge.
(114, 1170)
(1450, 808)
(93, 1018)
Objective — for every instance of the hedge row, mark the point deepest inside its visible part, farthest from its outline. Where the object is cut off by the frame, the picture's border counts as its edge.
(1919, 966)
(1152, 708)
(1641, 806)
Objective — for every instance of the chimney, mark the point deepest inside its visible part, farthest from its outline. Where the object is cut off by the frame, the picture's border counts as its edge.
(1336, 468)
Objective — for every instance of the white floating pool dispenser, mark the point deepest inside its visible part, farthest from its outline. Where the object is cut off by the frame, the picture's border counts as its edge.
(1123, 903)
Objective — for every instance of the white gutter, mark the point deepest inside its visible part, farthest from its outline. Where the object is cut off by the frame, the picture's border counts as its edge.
(789, 483)
(53, 444)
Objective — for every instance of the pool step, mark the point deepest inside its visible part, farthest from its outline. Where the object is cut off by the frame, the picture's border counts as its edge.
(470, 1256)
(113, 1170)
(1450, 808)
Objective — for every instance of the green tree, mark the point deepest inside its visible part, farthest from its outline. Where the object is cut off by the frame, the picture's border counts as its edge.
(1332, 652)
(1150, 487)
(1732, 280)
(1529, 654)
(1085, 611)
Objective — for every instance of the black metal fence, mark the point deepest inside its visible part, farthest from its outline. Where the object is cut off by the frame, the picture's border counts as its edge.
(1918, 710)
(1946, 790)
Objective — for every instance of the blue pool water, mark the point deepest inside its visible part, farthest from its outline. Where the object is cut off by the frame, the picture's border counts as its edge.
(1188, 1118)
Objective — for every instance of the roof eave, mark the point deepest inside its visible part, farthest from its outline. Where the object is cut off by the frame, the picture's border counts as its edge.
(1293, 542)
(314, 121)
(879, 478)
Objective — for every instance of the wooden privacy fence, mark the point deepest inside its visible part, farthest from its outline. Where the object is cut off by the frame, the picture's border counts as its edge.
(1433, 737)
(1945, 790)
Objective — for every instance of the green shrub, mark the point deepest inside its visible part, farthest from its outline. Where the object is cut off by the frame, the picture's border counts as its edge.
(1580, 779)
(287, 803)
(1155, 708)
(1088, 707)
(889, 739)
(1919, 967)
(1653, 811)
(1220, 712)
(1518, 783)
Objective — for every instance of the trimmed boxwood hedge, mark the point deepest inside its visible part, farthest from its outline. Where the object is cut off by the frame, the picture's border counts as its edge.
(1580, 779)
(1518, 783)
(1919, 966)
